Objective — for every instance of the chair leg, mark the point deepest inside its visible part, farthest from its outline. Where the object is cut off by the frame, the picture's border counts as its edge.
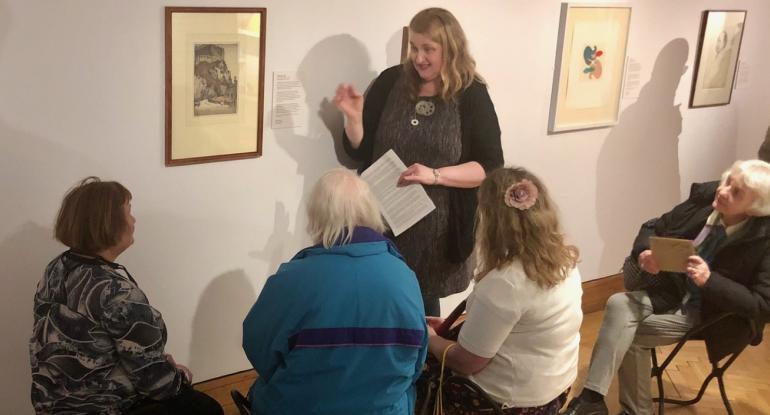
(716, 372)
(724, 395)
(698, 397)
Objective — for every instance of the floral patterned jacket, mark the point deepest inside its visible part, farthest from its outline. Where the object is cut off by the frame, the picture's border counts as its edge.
(97, 344)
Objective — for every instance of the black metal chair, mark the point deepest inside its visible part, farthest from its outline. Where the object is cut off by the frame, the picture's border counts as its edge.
(717, 371)
(243, 405)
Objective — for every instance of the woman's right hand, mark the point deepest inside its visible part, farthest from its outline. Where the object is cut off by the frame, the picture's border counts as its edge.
(349, 101)
(184, 369)
(647, 262)
(433, 324)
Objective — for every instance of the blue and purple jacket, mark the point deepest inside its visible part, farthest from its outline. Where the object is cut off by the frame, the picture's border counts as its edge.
(338, 331)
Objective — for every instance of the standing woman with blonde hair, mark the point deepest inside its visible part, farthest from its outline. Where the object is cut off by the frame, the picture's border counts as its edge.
(434, 111)
(521, 338)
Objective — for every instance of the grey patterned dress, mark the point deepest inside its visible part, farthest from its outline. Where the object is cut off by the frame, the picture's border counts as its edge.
(97, 344)
(434, 141)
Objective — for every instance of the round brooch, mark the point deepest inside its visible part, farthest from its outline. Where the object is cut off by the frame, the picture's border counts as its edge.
(425, 108)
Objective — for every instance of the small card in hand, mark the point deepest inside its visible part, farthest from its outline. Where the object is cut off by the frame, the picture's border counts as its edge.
(671, 253)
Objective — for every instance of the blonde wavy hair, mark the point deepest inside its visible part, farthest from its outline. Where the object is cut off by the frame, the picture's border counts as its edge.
(533, 236)
(338, 203)
(458, 70)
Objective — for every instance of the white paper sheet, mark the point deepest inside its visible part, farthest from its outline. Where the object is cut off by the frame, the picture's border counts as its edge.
(402, 207)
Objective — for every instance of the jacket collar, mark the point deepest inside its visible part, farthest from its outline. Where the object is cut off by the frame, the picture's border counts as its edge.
(755, 228)
(365, 241)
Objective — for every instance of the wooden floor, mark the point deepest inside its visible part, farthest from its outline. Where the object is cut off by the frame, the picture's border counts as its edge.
(748, 380)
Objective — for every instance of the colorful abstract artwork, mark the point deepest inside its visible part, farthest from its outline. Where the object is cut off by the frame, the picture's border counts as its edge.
(591, 57)
(589, 69)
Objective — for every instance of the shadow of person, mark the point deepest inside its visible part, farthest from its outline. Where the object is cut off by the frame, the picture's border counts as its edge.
(217, 325)
(333, 60)
(638, 165)
(23, 256)
(275, 250)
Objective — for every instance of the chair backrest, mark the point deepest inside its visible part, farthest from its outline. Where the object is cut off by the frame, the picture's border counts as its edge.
(243, 405)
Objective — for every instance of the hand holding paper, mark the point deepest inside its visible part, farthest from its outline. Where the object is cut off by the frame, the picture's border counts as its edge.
(402, 207)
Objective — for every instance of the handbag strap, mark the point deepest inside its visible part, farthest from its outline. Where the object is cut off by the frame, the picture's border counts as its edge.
(438, 409)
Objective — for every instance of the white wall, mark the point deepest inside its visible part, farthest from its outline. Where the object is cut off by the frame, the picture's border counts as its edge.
(82, 94)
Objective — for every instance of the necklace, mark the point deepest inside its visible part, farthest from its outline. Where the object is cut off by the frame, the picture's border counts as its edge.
(423, 107)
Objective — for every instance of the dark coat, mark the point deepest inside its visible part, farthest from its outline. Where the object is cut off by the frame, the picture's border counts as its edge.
(740, 272)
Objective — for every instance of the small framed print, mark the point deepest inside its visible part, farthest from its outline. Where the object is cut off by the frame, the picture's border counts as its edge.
(590, 64)
(215, 72)
(719, 45)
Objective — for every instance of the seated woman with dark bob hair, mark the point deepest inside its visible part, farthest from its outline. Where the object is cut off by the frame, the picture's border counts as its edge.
(729, 224)
(98, 345)
(339, 329)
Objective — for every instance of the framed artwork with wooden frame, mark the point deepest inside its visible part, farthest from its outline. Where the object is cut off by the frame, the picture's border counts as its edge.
(719, 45)
(590, 64)
(404, 43)
(215, 81)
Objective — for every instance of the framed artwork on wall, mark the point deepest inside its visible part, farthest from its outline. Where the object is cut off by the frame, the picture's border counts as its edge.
(215, 73)
(590, 63)
(719, 44)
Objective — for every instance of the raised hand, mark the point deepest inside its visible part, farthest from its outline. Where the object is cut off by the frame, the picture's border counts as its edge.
(349, 101)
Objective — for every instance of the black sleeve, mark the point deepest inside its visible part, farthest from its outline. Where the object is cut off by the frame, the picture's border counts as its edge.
(374, 104)
(751, 301)
(481, 128)
(642, 241)
(670, 224)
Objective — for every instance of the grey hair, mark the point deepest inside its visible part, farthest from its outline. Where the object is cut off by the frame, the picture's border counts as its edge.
(755, 174)
(338, 203)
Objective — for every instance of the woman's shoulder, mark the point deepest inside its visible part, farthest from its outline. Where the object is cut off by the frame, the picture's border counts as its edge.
(393, 71)
(511, 275)
(475, 95)
(390, 76)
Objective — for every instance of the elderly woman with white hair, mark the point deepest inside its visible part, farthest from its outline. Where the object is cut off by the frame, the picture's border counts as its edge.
(340, 328)
(730, 227)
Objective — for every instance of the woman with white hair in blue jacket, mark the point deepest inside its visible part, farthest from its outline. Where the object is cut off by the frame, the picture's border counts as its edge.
(340, 328)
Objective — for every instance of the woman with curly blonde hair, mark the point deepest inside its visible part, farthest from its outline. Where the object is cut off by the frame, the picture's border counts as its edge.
(520, 339)
(434, 112)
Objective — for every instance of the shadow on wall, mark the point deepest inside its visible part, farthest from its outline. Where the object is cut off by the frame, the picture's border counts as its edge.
(275, 250)
(333, 60)
(23, 256)
(638, 165)
(35, 174)
(217, 324)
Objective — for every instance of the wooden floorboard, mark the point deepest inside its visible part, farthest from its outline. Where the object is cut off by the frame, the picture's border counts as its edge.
(747, 381)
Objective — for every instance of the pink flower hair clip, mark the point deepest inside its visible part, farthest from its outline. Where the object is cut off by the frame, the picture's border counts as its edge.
(521, 195)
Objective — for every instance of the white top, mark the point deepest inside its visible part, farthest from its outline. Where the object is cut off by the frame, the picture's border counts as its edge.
(532, 336)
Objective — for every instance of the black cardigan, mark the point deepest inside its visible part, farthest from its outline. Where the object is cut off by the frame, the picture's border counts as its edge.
(480, 140)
